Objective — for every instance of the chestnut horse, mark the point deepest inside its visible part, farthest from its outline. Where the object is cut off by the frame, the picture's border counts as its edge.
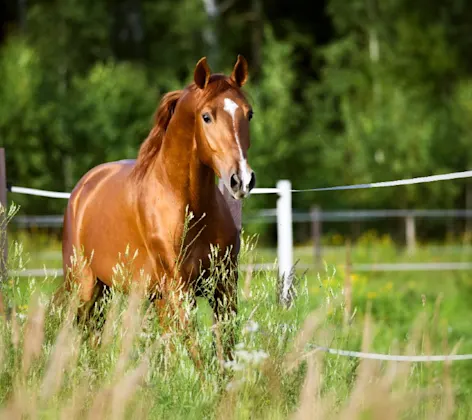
(199, 132)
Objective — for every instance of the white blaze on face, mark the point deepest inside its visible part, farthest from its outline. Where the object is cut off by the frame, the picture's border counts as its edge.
(230, 107)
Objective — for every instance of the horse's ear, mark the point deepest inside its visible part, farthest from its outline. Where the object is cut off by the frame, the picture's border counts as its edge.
(240, 71)
(202, 73)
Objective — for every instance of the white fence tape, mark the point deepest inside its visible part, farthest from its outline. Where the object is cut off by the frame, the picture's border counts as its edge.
(39, 193)
(392, 357)
(409, 181)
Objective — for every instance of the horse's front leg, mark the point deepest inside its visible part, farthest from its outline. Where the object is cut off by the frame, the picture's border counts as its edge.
(225, 309)
(174, 310)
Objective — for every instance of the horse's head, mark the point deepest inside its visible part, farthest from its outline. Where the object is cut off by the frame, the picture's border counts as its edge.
(222, 116)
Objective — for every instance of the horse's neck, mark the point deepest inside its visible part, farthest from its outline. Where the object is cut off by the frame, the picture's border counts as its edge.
(190, 180)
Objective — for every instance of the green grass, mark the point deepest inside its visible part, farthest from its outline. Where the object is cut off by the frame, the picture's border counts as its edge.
(148, 378)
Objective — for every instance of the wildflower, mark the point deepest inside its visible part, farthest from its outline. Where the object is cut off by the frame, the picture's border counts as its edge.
(389, 286)
(21, 316)
(254, 356)
(251, 327)
(371, 295)
(233, 385)
(233, 365)
(258, 356)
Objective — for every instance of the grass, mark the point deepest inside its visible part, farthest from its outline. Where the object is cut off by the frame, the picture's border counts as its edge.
(52, 368)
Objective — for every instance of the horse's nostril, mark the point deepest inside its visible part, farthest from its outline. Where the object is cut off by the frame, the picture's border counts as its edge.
(234, 181)
(252, 182)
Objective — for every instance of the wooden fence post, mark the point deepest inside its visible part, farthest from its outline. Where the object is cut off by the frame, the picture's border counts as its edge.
(410, 233)
(3, 216)
(315, 216)
(468, 206)
(348, 285)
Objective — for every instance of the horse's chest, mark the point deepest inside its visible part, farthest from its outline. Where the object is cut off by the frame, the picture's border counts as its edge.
(198, 258)
(204, 257)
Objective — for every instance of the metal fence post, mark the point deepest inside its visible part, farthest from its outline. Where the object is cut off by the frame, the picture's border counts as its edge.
(285, 239)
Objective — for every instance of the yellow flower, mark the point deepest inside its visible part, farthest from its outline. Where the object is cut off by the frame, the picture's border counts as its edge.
(389, 286)
(315, 290)
(371, 295)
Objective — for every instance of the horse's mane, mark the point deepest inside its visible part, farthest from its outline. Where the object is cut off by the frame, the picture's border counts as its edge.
(150, 148)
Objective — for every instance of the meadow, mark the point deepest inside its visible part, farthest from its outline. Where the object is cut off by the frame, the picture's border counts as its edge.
(52, 368)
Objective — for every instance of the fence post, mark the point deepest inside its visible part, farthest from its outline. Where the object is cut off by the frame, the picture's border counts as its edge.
(315, 216)
(348, 285)
(3, 216)
(468, 206)
(285, 239)
(410, 233)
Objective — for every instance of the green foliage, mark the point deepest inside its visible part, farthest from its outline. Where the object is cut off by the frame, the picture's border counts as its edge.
(114, 105)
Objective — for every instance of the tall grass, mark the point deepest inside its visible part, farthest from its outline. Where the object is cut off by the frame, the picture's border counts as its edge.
(124, 365)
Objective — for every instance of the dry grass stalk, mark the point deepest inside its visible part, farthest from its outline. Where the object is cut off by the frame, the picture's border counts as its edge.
(246, 292)
(447, 410)
(125, 389)
(109, 329)
(219, 346)
(63, 356)
(2, 346)
(310, 325)
(74, 408)
(34, 334)
(311, 404)
(130, 327)
(99, 407)
(3, 311)
(366, 370)
(226, 408)
(12, 411)
(15, 330)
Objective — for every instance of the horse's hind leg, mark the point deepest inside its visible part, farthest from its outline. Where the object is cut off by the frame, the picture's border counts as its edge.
(97, 303)
(78, 279)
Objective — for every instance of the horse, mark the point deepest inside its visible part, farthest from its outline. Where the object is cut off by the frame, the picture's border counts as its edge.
(200, 132)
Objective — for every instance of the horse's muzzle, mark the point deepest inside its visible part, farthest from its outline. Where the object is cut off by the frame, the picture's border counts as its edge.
(242, 184)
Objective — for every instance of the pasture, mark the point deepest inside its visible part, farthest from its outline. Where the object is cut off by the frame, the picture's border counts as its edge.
(53, 369)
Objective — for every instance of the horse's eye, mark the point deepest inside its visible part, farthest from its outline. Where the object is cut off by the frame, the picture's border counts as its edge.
(206, 117)
(249, 115)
